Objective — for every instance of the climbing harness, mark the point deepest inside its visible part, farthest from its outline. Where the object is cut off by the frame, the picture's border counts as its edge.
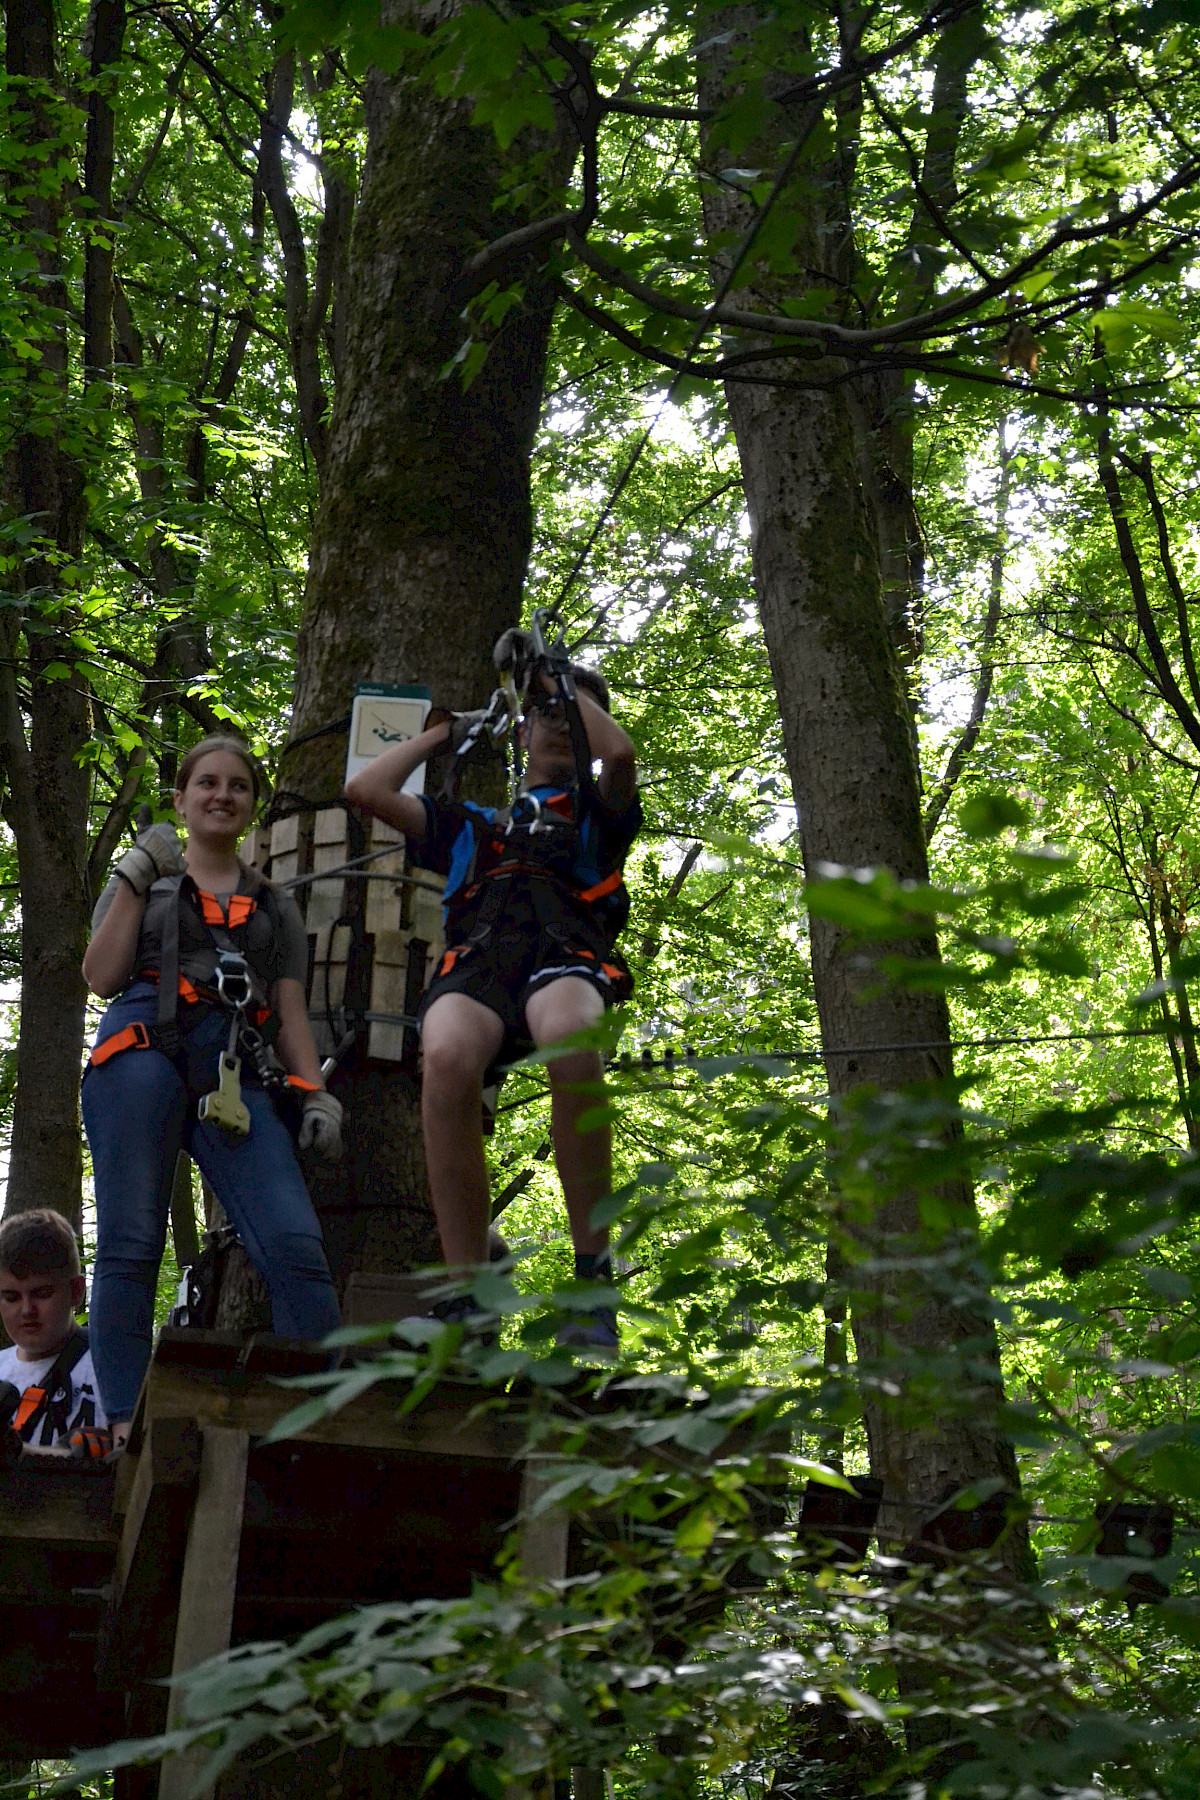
(202, 962)
(51, 1398)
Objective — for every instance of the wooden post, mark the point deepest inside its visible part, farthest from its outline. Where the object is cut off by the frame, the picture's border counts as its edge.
(544, 1540)
(544, 1536)
(209, 1584)
(589, 1784)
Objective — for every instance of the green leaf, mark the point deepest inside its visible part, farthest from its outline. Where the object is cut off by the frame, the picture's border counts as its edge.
(987, 815)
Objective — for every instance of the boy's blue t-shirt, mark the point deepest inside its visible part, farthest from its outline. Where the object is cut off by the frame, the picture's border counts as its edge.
(603, 839)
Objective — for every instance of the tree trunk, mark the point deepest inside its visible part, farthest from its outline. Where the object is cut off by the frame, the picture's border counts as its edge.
(853, 767)
(420, 546)
(46, 786)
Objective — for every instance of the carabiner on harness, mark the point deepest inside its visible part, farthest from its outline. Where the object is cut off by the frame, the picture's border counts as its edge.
(234, 985)
(533, 824)
(235, 990)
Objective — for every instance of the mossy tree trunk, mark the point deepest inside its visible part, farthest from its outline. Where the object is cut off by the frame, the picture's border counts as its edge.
(853, 765)
(43, 731)
(422, 537)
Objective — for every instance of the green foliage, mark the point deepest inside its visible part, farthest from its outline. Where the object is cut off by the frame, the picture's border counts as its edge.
(1073, 213)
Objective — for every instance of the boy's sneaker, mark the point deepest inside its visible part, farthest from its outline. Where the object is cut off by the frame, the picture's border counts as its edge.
(463, 1310)
(594, 1330)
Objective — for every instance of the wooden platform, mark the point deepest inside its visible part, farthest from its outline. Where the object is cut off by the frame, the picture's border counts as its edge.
(58, 1542)
(206, 1538)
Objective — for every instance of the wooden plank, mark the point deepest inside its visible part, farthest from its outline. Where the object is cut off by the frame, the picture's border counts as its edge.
(135, 1633)
(290, 840)
(208, 1588)
(589, 1784)
(544, 1537)
(255, 847)
(441, 1425)
(372, 1298)
(385, 904)
(184, 1231)
(53, 1575)
(51, 1500)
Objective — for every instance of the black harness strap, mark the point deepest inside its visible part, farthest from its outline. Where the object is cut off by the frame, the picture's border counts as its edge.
(167, 1018)
(57, 1380)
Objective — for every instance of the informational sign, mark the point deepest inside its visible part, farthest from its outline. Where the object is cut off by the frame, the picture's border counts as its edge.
(381, 718)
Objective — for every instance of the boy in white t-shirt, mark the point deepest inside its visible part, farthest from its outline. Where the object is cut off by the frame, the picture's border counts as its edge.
(41, 1289)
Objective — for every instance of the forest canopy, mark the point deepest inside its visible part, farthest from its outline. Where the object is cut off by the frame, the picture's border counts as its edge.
(864, 438)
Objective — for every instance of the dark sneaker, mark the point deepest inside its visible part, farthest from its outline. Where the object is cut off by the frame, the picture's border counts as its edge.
(594, 1330)
(463, 1310)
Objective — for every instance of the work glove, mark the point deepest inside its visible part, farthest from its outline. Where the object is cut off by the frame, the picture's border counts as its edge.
(461, 725)
(156, 853)
(321, 1125)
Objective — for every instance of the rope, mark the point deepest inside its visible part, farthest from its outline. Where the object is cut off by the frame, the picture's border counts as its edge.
(691, 1058)
(306, 737)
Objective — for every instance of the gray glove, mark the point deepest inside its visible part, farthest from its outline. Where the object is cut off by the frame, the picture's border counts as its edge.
(461, 724)
(156, 853)
(514, 650)
(321, 1125)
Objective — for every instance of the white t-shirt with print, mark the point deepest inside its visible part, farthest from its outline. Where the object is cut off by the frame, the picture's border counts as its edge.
(84, 1409)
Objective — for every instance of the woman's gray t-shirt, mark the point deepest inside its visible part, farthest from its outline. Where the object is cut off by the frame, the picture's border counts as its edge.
(289, 956)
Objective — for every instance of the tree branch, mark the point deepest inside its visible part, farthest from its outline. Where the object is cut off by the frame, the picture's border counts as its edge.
(106, 31)
(1144, 470)
(1165, 680)
(298, 303)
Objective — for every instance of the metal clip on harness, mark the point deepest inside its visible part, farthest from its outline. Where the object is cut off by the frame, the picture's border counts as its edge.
(225, 1106)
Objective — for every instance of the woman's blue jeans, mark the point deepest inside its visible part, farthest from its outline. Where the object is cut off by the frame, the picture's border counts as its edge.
(139, 1111)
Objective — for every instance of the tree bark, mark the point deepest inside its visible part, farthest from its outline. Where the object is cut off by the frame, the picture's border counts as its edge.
(853, 766)
(421, 541)
(46, 786)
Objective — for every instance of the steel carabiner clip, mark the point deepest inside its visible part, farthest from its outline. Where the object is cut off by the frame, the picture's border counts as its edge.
(234, 986)
(534, 824)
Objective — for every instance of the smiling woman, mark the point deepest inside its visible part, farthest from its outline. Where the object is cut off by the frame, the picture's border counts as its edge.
(207, 962)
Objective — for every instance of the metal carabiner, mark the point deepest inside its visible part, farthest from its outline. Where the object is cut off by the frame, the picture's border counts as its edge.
(234, 985)
(535, 824)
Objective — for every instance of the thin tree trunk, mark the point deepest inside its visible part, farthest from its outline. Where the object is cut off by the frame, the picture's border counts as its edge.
(46, 785)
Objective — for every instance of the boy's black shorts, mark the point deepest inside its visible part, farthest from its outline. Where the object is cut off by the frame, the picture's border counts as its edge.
(519, 957)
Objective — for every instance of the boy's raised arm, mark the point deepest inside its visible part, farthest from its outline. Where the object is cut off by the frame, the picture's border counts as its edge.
(377, 787)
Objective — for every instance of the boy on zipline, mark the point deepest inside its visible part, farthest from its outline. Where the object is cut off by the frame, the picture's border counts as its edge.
(534, 900)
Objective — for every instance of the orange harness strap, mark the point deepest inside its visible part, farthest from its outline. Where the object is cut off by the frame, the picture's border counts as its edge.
(241, 906)
(31, 1399)
(134, 1037)
(608, 886)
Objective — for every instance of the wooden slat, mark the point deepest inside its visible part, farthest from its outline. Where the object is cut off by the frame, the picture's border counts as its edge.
(208, 1588)
(290, 840)
(373, 1298)
(544, 1537)
(135, 1642)
(50, 1499)
(442, 1425)
(385, 904)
